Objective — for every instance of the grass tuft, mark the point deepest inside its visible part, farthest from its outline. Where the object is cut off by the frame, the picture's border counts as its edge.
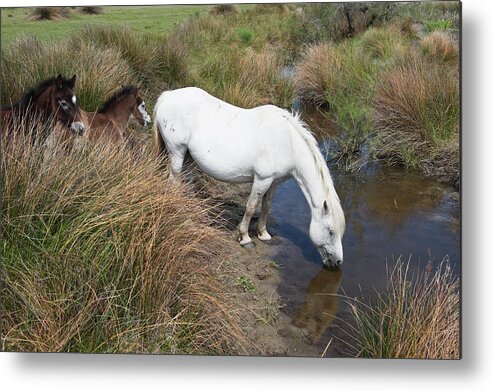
(101, 253)
(221, 9)
(440, 47)
(49, 13)
(416, 317)
(417, 112)
(246, 35)
(440, 24)
(91, 10)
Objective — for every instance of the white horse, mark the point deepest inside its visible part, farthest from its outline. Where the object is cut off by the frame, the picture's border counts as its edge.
(264, 146)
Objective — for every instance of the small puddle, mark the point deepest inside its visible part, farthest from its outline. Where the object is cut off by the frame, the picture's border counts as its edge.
(389, 213)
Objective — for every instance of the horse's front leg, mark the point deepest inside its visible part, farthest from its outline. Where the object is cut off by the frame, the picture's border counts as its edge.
(264, 214)
(259, 188)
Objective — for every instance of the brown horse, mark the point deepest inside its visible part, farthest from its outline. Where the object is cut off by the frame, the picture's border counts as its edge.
(111, 120)
(51, 99)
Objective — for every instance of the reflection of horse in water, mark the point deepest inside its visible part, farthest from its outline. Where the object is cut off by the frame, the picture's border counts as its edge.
(321, 303)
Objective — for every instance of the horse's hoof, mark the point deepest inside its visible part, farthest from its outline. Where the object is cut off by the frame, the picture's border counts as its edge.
(265, 237)
(248, 245)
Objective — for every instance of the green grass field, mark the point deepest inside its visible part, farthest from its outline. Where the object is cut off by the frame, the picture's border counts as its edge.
(150, 19)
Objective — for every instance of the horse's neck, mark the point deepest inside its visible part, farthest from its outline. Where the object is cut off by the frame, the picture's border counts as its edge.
(120, 113)
(309, 178)
(41, 103)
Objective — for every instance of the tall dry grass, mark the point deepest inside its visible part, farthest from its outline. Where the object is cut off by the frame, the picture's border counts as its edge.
(247, 78)
(103, 57)
(440, 47)
(417, 115)
(316, 73)
(134, 48)
(384, 44)
(101, 253)
(341, 77)
(416, 317)
(91, 10)
(381, 84)
(49, 13)
(99, 71)
(244, 57)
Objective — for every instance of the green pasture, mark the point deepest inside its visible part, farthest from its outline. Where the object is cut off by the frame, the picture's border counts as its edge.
(151, 19)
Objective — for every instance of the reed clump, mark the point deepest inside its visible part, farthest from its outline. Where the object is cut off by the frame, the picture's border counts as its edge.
(49, 13)
(133, 47)
(417, 316)
(221, 9)
(101, 253)
(440, 47)
(417, 116)
(91, 10)
(316, 73)
(247, 79)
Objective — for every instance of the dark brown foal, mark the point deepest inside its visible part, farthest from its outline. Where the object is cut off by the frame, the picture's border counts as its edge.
(111, 120)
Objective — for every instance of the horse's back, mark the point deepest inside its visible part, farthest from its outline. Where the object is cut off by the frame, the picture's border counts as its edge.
(99, 127)
(226, 141)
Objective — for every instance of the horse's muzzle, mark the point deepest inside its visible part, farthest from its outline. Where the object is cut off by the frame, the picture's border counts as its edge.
(78, 128)
(329, 259)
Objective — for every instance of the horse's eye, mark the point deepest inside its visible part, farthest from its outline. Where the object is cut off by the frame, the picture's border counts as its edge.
(331, 233)
(64, 104)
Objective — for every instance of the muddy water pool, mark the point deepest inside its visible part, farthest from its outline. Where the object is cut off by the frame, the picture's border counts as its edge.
(390, 213)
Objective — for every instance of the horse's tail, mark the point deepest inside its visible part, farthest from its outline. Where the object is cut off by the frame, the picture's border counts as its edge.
(159, 145)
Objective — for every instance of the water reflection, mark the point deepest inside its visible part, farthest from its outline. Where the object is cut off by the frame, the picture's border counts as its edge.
(389, 213)
(321, 303)
(391, 197)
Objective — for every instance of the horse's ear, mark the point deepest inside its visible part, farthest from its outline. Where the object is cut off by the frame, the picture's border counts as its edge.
(71, 82)
(326, 207)
(59, 81)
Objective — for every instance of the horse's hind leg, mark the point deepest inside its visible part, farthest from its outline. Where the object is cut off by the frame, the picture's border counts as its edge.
(177, 157)
(259, 188)
(264, 214)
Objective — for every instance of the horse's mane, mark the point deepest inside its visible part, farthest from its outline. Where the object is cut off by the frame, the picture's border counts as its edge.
(125, 90)
(311, 142)
(30, 96)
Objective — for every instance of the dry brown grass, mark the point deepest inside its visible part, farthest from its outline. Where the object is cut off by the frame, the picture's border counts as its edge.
(417, 116)
(28, 61)
(417, 317)
(221, 9)
(316, 73)
(440, 47)
(49, 13)
(101, 253)
(248, 79)
(383, 43)
(92, 10)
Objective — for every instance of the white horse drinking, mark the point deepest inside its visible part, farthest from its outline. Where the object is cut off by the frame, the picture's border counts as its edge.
(264, 146)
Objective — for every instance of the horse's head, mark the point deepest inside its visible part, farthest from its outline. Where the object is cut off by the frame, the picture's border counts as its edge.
(139, 110)
(326, 231)
(64, 104)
